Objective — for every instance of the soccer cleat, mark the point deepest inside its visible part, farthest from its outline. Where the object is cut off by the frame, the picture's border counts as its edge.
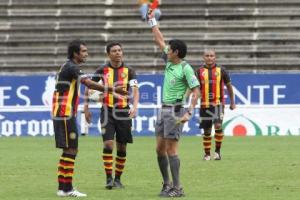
(75, 193)
(206, 157)
(118, 184)
(165, 189)
(176, 192)
(61, 193)
(109, 183)
(217, 156)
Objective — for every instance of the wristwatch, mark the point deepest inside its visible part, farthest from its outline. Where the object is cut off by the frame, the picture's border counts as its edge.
(189, 112)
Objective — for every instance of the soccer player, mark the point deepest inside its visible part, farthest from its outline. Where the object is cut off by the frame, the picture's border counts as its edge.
(179, 77)
(116, 115)
(212, 78)
(64, 110)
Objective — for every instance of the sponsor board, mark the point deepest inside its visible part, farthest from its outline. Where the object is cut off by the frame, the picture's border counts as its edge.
(266, 104)
(262, 121)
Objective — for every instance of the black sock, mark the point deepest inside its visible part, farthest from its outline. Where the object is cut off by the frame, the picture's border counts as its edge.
(175, 166)
(163, 166)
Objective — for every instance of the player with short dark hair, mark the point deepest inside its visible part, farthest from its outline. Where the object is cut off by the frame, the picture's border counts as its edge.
(64, 111)
(178, 78)
(212, 78)
(116, 115)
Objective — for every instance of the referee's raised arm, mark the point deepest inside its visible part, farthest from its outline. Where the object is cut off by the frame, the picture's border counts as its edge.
(158, 36)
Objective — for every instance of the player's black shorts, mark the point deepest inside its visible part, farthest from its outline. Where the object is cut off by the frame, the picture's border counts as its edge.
(116, 122)
(211, 115)
(66, 134)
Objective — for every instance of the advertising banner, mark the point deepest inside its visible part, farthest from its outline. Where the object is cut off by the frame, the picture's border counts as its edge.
(267, 104)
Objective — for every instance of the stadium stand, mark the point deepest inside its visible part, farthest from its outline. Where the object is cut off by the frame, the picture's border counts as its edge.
(248, 35)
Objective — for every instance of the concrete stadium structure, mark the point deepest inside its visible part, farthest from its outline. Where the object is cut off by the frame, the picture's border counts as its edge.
(248, 35)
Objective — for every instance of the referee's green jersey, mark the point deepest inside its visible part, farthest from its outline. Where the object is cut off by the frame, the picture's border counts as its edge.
(178, 78)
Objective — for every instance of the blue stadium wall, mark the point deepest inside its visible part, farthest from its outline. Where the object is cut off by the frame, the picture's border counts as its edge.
(268, 104)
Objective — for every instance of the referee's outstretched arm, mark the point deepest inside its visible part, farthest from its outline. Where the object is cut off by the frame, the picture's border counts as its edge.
(158, 36)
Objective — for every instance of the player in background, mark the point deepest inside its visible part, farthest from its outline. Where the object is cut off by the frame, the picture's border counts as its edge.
(178, 77)
(64, 111)
(212, 78)
(116, 115)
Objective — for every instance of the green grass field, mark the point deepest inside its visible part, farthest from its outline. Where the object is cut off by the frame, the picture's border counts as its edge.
(265, 168)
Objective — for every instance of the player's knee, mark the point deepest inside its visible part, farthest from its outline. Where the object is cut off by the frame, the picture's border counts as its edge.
(108, 144)
(160, 150)
(121, 147)
(171, 152)
(71, 151)
(218, 126)
(207, 132)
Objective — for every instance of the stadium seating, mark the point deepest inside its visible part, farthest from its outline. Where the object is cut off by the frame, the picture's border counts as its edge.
(248, 35)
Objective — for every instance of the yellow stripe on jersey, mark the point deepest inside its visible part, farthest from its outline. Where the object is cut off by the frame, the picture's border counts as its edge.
(206, 88)
(111, 84)
(70, 98)
(56, 104)
(125, 82)
(218, 85)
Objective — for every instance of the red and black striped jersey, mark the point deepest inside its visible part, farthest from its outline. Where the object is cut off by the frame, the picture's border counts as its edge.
(212, 81)
(121, 76)
(66, 95)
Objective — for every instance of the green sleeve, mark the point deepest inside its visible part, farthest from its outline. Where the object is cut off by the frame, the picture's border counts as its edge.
(190, 76)
(164, 54)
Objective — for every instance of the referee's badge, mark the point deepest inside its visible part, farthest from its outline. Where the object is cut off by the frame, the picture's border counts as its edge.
(193, 80)
(172, 82)
(72, 136)
(123, 75)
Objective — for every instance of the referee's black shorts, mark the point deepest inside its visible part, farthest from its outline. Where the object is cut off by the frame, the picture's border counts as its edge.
(117, 122)
(66, 134)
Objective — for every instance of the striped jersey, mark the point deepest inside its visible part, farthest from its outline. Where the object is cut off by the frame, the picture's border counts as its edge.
(121, 76)
(212, 80)
(66, 95)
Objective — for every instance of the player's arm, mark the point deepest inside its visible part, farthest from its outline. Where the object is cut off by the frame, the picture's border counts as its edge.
(87, 113)
(76, 73)
(194, 99)
(227, 81)
(198, 78)
(96, 86)
(231, 96)
(133, 83)
(136, 97)
(194, 91)
(158, 36)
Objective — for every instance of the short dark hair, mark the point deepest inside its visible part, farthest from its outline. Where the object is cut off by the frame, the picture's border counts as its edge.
(180, 46)
(112, 44)
(74, 47)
